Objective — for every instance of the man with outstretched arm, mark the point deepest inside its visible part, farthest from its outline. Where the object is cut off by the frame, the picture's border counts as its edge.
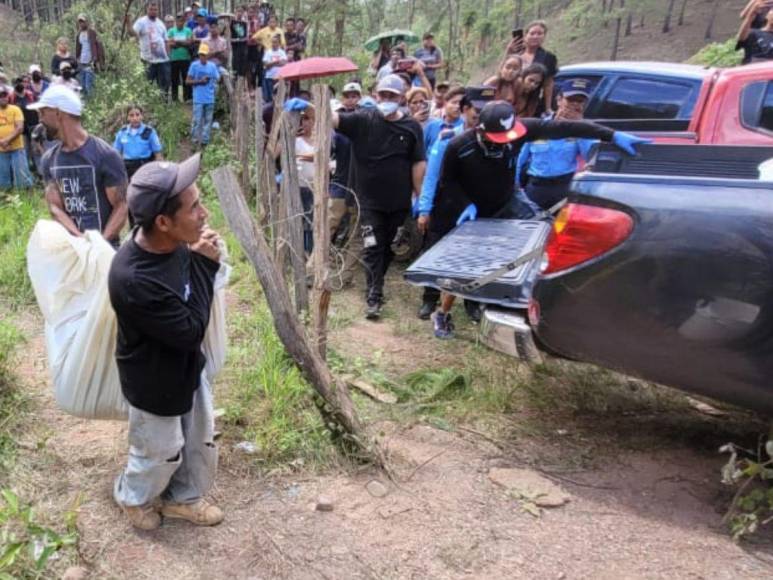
(478, 172)
(161, 286)
(85, 178)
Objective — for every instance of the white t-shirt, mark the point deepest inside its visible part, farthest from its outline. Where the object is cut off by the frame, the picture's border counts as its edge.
(152, 35)
(277, 55)
(305, 168)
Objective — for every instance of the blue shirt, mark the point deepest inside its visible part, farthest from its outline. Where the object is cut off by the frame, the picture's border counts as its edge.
(552, 158)
(130, 144)
(432, 174)
(204, 94)
(433, 128)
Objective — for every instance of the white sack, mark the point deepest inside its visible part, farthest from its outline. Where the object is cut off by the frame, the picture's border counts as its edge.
(69, 277)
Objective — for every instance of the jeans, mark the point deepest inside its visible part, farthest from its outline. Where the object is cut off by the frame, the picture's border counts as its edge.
(268, 89)
(179, 72)
(174, 458)
(159, 73)
(307, 202)
(201, 122)
(14, 169)
(378, 230)
(86, 78)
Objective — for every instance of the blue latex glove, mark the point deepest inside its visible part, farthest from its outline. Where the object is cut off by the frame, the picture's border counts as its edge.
(628, 142)
(469, 214)
(296, 104)
(415, 207)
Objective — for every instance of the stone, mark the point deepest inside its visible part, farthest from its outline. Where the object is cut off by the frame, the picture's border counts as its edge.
(530, 486)
(376, 488)
(324, 504)
(75, 573)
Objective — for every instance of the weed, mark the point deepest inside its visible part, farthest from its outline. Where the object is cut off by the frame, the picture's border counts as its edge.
(26, 545)
(18, 214)
(12, 402)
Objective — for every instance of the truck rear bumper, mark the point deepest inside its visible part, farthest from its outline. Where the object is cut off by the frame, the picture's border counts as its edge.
(508, 332)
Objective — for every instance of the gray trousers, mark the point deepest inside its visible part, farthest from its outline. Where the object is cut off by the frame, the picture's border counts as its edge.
(174, 458)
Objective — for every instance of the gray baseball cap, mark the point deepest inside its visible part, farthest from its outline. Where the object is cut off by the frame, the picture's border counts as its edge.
(391, 84)
(157, 182)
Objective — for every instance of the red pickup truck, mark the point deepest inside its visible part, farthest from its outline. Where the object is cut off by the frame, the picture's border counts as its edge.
(678, 103)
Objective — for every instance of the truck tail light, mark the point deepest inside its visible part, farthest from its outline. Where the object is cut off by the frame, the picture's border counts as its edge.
(583, 232)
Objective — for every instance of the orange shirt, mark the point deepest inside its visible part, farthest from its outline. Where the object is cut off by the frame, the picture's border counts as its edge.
(9, 117)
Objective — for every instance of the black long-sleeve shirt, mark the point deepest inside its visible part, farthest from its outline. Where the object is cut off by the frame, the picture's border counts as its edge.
(468, 176)
(162, 302)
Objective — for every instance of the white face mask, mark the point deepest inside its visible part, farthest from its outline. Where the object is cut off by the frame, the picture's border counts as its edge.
(388, 107)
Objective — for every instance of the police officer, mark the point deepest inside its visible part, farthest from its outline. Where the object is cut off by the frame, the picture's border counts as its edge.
(137, 142)
(479, 171)
(546, 167)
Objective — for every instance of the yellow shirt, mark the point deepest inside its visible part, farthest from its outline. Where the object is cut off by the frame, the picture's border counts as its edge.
(8, 119)
(265, 34)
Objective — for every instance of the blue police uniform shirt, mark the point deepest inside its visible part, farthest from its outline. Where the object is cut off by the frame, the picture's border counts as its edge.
(432, 173)
(131, 145)
(434, 127)
(204, 94)
(552, 158)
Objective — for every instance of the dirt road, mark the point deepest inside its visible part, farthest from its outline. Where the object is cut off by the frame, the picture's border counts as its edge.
(461, 509)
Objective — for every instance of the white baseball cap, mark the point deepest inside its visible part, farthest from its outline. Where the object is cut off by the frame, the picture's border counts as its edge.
(59, 97)
(34, 68)
(352, 88)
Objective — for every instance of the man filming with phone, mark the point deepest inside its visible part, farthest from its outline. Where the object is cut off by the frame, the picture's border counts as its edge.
(431, 56)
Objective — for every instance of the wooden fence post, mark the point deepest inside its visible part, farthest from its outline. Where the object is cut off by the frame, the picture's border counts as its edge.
(291, 198)
(336, 407)
(321, 255)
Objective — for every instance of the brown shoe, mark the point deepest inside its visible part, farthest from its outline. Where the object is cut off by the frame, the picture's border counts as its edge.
(144, 517)
(201, 513)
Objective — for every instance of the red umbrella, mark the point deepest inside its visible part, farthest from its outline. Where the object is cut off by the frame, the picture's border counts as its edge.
(316, 66)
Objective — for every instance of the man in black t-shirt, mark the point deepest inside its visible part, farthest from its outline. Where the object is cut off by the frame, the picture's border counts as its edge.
(478, 171)
(757, 44)
(85, 178)
(388, 153)
(161, 286)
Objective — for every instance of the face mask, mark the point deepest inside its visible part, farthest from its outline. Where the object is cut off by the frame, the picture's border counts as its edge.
(491, 150)
(388, 108)
(36, 77)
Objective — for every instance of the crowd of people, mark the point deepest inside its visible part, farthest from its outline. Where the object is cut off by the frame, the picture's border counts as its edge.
(408, 146)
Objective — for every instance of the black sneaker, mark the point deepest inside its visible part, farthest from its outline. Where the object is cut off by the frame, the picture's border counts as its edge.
(442, 325)
(426, 310)
(373, 311)
(473, 310)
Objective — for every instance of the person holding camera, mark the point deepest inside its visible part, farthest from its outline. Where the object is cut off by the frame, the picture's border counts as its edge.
(202, 76)
(431, 56)
(395, 56)
(757, 44)
(527, 43)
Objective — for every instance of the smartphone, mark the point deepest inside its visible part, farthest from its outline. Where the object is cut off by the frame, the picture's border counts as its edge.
(518, 33)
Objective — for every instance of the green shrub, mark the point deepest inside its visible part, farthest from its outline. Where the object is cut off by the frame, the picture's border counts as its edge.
(18, 214)
(719, 54)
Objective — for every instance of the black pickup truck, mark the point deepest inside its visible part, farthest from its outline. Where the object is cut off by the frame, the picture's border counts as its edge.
(660, 266)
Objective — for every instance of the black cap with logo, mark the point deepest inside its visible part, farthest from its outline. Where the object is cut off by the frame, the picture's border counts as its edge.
(498, 123)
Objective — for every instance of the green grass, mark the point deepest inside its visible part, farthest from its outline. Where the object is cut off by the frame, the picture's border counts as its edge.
(18, 214)
(12, 401)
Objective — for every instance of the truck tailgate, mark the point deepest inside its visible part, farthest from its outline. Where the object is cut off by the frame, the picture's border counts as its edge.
(477, 248)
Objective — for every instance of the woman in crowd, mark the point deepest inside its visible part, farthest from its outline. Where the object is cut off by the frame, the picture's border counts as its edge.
(305, 149)
(38, 83)
(417, 100)
(531, 52)
(137, 142)
(61, 55)
(529, 102)
(507, 81)
(380, 57)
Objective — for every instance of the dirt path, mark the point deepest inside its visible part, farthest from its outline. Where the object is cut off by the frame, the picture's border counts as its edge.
(639, 514)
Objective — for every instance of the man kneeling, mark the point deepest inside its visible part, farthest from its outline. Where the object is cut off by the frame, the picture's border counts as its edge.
(161, 288)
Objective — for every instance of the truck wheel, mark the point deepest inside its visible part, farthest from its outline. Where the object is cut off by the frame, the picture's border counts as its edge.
(408, 242)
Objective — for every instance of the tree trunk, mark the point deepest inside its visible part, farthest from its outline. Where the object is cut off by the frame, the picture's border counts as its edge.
(340, 25)
(680, 22)
(320, 258)
(412, 13)
(669, 15)
(616, 41)
(336, 407)
(712, 19)
(629, 23)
